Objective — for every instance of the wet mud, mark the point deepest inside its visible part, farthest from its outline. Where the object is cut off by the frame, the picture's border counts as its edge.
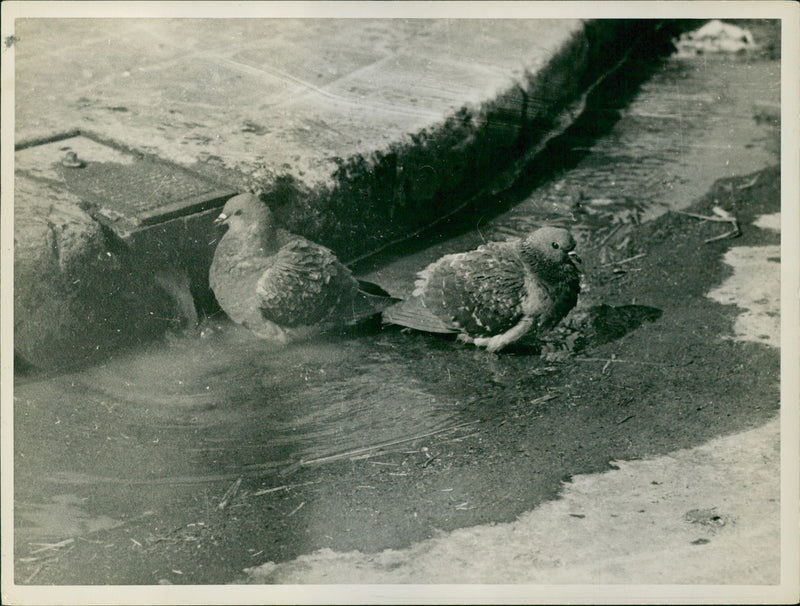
(461, 437)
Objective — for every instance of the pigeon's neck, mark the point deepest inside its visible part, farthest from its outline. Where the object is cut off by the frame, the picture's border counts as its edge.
(544, 268)
(257, 239)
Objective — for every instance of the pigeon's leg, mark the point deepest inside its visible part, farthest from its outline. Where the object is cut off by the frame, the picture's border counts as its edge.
(498, 342)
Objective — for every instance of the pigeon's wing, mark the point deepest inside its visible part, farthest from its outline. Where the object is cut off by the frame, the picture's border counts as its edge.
(305, 284)
(480, 291)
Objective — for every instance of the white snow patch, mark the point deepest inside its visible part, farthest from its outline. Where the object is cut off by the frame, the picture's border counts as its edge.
(715, 37)
(709, 514)
(755, 286)
(772, 222)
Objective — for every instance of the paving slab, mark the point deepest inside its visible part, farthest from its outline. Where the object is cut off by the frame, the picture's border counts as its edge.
(357, 131)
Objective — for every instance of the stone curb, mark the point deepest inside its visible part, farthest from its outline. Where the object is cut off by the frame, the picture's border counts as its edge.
(368, 202)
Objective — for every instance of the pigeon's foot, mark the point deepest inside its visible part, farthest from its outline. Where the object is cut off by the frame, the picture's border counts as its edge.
(492, 344)
(463, 337)
(498, 342)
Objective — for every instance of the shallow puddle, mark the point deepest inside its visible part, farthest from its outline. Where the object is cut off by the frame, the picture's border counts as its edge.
(135, 433)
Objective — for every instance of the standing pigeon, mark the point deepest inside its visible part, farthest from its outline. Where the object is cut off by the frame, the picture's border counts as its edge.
(280, 285)
(496, 294)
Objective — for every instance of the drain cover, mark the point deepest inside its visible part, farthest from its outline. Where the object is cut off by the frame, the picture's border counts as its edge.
(122, 189)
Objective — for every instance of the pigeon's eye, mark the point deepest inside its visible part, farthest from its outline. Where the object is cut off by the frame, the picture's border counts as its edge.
(555, 245)
(238, 212)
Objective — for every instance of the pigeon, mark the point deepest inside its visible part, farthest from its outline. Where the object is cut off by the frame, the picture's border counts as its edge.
(494, 295)
(282, 286)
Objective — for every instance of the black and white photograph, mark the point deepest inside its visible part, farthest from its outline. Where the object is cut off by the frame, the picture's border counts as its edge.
(400, 302)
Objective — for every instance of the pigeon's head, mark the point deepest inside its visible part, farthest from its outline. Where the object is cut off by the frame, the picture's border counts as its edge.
(243, 211)
(549, 245)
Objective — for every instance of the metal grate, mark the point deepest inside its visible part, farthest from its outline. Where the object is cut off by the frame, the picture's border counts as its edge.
(123, 189)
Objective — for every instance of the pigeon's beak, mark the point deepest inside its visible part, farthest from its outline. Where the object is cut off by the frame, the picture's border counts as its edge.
(221, 219)
(573, 256)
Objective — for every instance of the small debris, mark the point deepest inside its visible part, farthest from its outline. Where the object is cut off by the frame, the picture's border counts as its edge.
(628, 418)
(71, 160)
(49, 546)
(33, 574)
(628, 260)
(709, 518)
(715, 37)
(722, 216)
(614, 359)
(700, 542)
(346, 455)
(750, 183)
(229, 494)
(577, 515)
(430, 460)
(287, 487)
(295, 510)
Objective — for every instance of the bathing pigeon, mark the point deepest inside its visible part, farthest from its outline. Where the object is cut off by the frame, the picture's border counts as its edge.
(498, 293)
(282, 286)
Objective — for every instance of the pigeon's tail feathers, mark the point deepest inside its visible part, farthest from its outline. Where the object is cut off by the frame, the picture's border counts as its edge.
(413, 314)
(369, 300)
(371, 288)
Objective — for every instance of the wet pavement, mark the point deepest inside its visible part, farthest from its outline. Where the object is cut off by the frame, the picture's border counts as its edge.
(190, 459)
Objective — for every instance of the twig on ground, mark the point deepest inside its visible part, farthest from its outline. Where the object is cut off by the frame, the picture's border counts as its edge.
(609, 235)
(628, 418)
(229, 494)
(749, 184)
(607, 360)
(357, 451)
(628, 260)
(295, 510)
(258, 493)
(34, 573)
(722, 216)
(49, 546)
(430, 460)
